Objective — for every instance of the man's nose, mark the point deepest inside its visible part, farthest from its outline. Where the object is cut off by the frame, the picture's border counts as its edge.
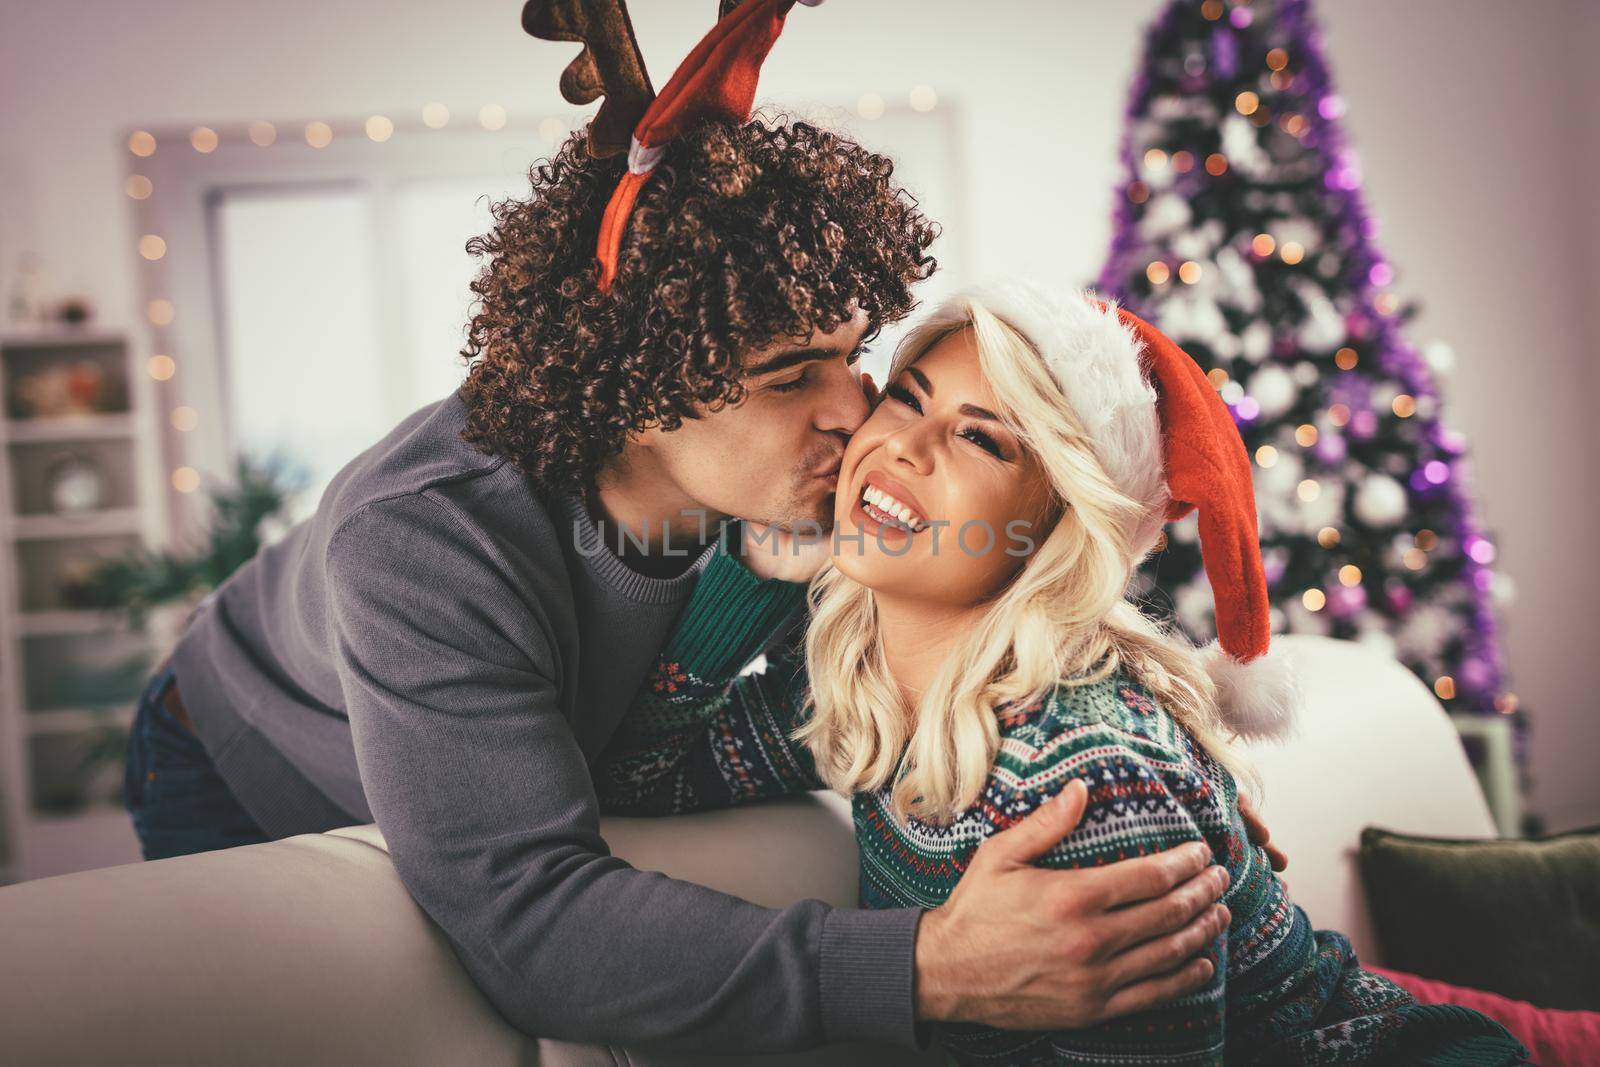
(844, 404)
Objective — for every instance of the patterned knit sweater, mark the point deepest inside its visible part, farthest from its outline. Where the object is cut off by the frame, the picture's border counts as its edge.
(702, 735)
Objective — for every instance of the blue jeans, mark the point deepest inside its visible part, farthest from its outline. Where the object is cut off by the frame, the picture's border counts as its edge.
(178, 801)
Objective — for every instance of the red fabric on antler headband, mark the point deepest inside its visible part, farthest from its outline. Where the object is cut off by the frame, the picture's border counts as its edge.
(717, 80)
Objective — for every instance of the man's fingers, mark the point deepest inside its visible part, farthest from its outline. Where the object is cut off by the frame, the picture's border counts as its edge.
(1044, 828)
(1165, 954)
(1176, 910)
(1276, 857)
(1130, 881)
(1159, 990)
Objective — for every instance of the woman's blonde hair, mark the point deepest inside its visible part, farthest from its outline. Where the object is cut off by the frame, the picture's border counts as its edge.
(1064, 618)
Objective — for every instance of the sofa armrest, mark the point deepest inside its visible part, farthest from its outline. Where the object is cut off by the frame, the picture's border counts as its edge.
(310, 951)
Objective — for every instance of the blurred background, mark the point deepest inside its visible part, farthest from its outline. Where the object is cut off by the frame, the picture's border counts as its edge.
(231, 256)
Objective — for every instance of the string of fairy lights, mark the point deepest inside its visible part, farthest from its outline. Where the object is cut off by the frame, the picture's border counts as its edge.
(161, 313)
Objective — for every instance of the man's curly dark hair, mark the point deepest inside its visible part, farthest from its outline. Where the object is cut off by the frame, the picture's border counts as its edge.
(744, 236)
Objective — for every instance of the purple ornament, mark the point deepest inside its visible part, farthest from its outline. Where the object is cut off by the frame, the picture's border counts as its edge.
(1399, 597)
(1363, 424)
(1273, 565)
(1345, 601)
(1331, 449)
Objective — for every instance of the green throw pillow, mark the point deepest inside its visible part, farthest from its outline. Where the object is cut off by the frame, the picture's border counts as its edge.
(1519, 918)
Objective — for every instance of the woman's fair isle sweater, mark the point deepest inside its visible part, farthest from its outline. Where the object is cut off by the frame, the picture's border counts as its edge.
(704, 735)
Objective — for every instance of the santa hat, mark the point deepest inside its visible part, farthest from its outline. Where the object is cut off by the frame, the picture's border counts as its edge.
(1166, 439)
(717, 80)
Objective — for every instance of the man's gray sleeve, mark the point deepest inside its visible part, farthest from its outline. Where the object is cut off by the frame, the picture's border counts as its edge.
(484, 798)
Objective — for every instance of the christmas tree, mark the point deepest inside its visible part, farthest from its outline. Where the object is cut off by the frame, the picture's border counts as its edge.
(1242, 233)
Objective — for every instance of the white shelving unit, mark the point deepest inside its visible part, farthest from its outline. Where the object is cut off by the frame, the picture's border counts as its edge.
(69, 677)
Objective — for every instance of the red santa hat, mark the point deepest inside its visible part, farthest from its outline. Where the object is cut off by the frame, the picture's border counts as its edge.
(1165, 437)
(716, 81)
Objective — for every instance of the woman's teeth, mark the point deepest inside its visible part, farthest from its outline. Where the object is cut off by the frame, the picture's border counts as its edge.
(886, 509)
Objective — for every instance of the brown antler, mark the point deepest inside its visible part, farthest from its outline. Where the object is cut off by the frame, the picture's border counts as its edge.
(610, 64)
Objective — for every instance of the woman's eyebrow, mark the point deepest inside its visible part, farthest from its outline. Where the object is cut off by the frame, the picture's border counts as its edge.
(970, 410)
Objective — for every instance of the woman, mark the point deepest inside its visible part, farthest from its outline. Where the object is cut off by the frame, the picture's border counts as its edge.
(955, 687)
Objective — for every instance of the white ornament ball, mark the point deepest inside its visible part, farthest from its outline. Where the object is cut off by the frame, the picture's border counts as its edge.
(1381, 501)
(1256, 341)
(1280, 479)
(1325, 329)
(1273, 388)
(1327, 508)
(1193, 245)
(1166, 214)
(1441, 358)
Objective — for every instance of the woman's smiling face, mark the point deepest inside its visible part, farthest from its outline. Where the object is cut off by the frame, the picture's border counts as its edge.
(937, 498)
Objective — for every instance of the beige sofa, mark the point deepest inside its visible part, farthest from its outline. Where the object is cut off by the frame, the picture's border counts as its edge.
(309, 950)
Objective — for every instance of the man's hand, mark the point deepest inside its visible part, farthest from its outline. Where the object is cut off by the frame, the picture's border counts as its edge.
(1259, 835)
(1033, 948)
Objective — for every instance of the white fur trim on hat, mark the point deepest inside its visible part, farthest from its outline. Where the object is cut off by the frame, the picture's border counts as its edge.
(1259, 699)
(1097, 360)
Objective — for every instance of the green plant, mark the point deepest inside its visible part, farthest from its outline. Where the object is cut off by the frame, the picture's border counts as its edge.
(140, 580)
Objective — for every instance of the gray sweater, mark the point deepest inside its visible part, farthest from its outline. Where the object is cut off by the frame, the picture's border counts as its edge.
(444, 651)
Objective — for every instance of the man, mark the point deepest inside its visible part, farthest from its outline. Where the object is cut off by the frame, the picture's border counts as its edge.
(447, 644)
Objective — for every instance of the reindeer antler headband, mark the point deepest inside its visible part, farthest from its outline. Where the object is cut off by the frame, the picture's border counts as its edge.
(717, 80)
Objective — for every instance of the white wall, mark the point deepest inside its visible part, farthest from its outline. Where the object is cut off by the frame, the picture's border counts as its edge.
(1479, 160)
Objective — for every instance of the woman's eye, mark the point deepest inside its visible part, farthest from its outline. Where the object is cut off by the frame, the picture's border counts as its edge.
(904, 395)
(982, 440)
(792, 384)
